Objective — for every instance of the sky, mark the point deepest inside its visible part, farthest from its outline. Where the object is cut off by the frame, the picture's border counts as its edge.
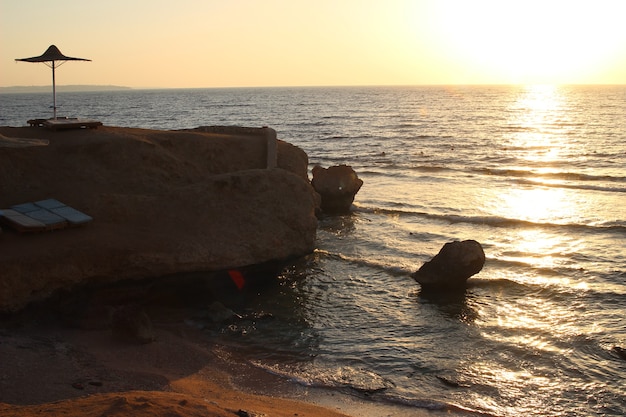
(259, 43)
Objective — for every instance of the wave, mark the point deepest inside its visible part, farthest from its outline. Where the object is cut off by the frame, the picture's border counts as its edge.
(430, 405)
(570, 176)
(362, 383)
(556, 288)
(391, 270)
(583, 181)
(497, 221)
(432, 168)
(587, 187)
(544, 271)
(603, 290)
(354, 378)
(545, 127)
(228, 105)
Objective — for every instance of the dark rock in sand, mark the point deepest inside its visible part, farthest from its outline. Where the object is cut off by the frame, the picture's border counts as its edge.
(337, 186)
(455, 263)
(246, 413)
(131, 324)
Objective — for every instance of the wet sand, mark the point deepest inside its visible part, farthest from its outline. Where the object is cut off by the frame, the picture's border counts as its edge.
(56, 371)
(53, 370)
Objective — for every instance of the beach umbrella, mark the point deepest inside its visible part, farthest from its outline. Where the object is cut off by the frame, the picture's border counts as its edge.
(54, 59)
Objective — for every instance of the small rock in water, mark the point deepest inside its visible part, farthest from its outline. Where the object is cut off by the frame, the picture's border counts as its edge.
(450, 382)
(455, 263)
(620, 351)
(337, 185)
(218, 313)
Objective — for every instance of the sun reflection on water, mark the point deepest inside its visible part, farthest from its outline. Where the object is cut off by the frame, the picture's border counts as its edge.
(537, 141)
(537, 204)
(532, 333)
(539, 124)
(513, 383)
(533, 324)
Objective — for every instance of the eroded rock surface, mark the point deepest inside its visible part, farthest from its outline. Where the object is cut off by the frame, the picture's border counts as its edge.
(163, 202)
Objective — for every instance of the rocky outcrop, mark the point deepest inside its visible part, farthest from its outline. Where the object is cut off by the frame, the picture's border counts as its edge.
(337, 186)
(455, 263)
(163, 202)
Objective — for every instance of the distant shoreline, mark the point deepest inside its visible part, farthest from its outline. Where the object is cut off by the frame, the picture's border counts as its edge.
(60, 88)
(96, 88)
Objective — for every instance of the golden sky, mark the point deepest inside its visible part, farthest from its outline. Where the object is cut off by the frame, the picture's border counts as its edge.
(232, 43)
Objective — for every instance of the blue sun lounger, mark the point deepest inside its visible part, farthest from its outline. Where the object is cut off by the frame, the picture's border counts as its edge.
(50, 220)
(43, 215)
(70, 214)
(21, 222)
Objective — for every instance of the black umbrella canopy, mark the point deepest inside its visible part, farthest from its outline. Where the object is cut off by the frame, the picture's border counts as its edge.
(52, 54)
(52, 58)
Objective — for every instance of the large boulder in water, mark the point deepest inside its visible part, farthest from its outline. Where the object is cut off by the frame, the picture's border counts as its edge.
(337, 186)
(455, 263)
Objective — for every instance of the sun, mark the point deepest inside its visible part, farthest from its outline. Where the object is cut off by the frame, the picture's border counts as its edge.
(531, 41)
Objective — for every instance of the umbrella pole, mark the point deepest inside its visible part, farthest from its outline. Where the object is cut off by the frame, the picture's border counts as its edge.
(54, 94)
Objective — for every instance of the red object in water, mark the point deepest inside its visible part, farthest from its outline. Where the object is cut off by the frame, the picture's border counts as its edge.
(237, 278)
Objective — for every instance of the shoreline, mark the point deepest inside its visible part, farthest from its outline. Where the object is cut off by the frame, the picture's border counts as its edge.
(62, 359)
(52, 369)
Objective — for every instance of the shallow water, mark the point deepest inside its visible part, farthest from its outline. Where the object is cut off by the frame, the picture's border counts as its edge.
(536, 174)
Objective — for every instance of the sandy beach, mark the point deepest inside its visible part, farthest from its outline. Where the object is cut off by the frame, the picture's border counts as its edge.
(53, 370)
(50, 368)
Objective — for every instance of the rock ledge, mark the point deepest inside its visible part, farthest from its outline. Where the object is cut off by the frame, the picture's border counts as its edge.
(163, 202)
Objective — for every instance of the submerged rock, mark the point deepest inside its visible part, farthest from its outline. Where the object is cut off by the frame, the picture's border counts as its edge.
(455, 263)
(337, 185)
(218, 313)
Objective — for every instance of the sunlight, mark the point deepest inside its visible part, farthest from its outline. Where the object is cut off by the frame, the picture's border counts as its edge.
(540, 97)
(538, 127)
(535, 111)
(537, 136)
(530, 42)
(510, 382)
(537, 205)
(538, 242)
(538, 141)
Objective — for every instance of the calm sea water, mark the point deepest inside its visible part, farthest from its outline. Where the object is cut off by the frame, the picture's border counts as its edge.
(536, 174)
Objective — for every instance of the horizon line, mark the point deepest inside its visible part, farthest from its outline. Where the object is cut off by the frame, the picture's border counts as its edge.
(115, 86)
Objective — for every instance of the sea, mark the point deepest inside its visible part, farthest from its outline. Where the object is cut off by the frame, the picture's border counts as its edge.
(536, 174)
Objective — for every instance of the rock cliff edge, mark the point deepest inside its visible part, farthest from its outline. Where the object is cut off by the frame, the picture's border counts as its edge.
(163, 202)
